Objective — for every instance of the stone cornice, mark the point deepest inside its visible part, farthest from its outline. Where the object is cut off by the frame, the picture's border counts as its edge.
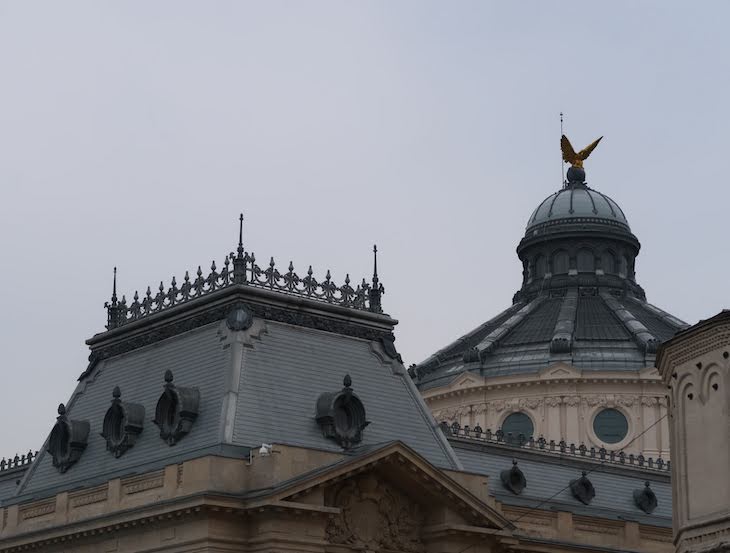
(705, 336)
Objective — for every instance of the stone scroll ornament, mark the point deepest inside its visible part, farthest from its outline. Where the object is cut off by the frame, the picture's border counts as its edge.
(176, 410)
(341, 415)
(67, 441)
(123, 423)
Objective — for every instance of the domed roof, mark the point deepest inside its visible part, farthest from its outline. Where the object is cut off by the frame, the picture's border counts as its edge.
(577, 203)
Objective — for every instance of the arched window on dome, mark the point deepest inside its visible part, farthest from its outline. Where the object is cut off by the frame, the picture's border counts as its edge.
(540, 266)
(518, 424)
(561, 262)
(608, 262)
(586, 261)
(624, 270)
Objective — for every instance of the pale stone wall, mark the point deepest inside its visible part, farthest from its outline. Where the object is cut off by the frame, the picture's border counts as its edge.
(696, 368)
(562, 402)
(395, 501)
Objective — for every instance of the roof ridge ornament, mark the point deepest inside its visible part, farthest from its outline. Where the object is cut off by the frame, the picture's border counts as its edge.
(245, 271)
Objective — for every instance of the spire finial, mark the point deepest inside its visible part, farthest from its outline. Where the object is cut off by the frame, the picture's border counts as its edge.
(376, 290)
(239, 262)
(240, 235)
(114, 288)
(115, 312)
(375, 263)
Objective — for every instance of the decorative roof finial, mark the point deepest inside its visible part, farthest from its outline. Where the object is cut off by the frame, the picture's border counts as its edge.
(114, 288)
(376, 290)
(239, 262)
(115, 311)
(576, 174)
(240, 235)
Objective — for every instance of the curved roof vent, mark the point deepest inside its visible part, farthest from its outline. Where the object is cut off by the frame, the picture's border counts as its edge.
(514, 479)
(645, 499)
(123, 423)
(582, 489)
(67, 441)
(176, 410)
(341, 415)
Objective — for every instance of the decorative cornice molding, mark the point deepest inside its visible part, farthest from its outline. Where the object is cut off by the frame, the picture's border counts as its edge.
(220, 310)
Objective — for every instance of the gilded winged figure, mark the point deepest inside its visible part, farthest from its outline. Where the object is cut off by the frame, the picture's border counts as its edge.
(576, 159)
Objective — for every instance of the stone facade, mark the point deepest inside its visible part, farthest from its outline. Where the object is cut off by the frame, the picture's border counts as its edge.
(296, 499)
(696, 369)
(562, 402)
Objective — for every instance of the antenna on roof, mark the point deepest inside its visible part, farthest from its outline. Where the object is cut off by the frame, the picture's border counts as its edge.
(562, 163)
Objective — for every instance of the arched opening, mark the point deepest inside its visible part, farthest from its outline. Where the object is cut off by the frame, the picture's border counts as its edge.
(586, 261)
(540, 266)
(608, 262)
(561, 262)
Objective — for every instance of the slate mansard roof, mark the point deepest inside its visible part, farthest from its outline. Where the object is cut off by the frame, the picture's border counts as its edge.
(548, 478)
(256, 385)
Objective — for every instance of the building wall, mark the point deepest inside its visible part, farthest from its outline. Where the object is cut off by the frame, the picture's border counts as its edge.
(387, 504)
(562, 403)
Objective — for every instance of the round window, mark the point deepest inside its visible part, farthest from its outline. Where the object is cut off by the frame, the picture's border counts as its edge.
(611, 426)
(518, 423)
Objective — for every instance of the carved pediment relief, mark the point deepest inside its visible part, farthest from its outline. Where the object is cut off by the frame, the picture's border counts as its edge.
(374, 516)
(386, 497)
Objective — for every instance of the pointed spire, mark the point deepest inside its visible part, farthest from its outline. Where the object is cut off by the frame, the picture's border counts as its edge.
(239, 262)
(240, 235)
(114, 288)
(114, 312)
(376, 290)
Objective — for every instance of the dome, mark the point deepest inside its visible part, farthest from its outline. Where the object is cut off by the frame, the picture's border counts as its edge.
(576, 203)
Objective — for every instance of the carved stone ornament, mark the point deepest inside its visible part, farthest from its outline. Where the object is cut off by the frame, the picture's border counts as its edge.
(388, 343)
(374, 517)
(176, 410)
(123, 423)
(67, 441)
(582, 489)
(341, 415)
(514, 479)
(645, 499)
(239, 318)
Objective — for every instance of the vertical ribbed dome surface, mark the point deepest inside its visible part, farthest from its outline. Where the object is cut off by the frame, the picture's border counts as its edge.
(577, 202)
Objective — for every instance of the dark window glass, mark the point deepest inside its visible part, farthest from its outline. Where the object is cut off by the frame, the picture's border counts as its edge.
(610, 426)
(561, 263)
(518, 423)
(586, 261)
(609, 263)
(540, 267)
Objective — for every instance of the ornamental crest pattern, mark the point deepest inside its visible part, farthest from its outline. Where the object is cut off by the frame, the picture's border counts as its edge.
(374, 517)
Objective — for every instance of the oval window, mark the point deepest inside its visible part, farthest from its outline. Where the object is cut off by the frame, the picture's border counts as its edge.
(610, 426)
(518, 423)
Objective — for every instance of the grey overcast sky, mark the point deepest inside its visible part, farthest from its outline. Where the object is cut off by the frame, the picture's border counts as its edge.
(133, 133)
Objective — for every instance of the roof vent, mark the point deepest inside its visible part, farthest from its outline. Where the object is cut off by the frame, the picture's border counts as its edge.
(123, 423)
(176, 410)
(67, 441)
(341, 415)
(514, 479)
(582, 489)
